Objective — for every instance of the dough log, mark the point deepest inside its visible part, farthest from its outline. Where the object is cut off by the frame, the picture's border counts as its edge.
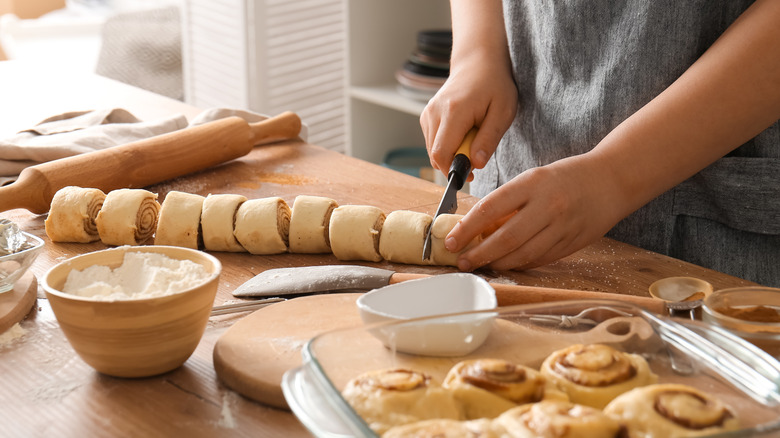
(442, 226)
(128, 217)
(355, 231)
(217, 222)
(263, 225)
(179, 221)
(72, 215)
(309, 224)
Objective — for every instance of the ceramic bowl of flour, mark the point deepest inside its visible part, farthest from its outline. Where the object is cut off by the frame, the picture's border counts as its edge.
(134, 311)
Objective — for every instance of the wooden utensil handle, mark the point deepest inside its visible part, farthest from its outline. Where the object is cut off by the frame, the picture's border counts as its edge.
(512, 294)
(284, 126)
(145, 162)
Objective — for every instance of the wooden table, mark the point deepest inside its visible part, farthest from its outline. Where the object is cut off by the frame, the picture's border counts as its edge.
(48, 390)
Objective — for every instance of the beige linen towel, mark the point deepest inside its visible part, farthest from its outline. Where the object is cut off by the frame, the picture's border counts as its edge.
(79, 132)
(75, 133)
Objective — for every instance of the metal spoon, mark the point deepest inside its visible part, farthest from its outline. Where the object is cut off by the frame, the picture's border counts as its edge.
(681, 294)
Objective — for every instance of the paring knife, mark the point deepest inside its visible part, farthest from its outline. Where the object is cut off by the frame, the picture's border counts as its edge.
(314, 279)
(459, 172)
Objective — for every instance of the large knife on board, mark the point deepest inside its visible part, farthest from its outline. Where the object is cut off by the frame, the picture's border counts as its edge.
(316, 279)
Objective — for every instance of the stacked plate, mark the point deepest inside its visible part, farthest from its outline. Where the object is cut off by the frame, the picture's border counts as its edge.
(427, 67)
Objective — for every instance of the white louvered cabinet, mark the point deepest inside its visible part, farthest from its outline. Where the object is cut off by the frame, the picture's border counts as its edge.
(269, 56)
(331, 61)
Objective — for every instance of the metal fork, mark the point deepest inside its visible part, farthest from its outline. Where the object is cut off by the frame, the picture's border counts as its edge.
(244, 307)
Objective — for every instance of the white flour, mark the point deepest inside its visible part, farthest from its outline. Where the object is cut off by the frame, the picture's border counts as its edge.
(9, 336)
(141, 275)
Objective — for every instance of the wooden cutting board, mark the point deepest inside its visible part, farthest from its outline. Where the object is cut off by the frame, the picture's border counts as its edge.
(16, 303)
(252, 356)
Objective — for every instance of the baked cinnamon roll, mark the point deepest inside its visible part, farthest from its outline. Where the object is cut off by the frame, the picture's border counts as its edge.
(488, 387)
(556, 419)
(595, 374)
(444, 429)
(393, 397)
(666, 410)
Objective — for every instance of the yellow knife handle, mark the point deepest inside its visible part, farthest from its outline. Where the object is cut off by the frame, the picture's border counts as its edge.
(461, 163)
(465, 146)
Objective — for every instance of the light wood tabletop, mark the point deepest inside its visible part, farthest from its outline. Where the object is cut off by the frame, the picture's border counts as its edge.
(50, 391)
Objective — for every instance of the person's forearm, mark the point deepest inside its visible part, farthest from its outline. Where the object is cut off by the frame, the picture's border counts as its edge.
(727, 97)
(478, 27)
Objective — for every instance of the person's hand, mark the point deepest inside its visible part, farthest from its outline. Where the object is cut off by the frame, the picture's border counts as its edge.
(541, 215)
(479, 92)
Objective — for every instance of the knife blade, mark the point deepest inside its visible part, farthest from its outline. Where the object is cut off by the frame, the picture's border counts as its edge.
(459, 172)
(327, 278)
(312, 279)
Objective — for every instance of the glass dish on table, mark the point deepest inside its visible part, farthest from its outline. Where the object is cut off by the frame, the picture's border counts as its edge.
(677, 352)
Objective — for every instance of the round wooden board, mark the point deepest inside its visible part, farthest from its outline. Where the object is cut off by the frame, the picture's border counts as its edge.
(17, 302)
(252, 356)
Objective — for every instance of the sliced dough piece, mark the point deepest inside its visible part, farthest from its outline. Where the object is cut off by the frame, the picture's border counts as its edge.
(403, 236)
(354, 232)
(671, 409)
(486, 387)
(594, 374)
(217, 222)
(310, 223)
(263, 225)
(386, 398)
(72, 215)
(179, 222)
(444, 428)
(128, 217)
(442, 225)
(555, 419)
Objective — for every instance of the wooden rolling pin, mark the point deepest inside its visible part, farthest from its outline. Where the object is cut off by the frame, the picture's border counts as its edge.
(512, 294)
(148, 161)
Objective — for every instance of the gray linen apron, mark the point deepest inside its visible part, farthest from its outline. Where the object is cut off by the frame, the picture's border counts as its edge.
(584, 66)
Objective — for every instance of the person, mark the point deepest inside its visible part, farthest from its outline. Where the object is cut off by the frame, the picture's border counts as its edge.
(653, 123)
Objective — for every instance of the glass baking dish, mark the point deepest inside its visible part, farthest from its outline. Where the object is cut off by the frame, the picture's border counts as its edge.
(678, 351)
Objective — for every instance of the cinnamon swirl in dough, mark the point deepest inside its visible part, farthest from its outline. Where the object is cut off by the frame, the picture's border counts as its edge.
(263, 225)
(128, 217)
(309, 224)
(595, 374)
(488, 387)
(671, 410)
(393, 397)
(354, 232)
(403, 236)
(72, 215)
(442, 226)
(556, 419)
(444, 429)
(179, 222)
(218, 221)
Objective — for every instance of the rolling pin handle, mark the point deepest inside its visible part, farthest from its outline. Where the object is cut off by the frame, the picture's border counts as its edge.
(284, 126)
(29, 191)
